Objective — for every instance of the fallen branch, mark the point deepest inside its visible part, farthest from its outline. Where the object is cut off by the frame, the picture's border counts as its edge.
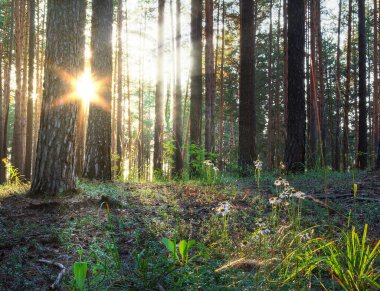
(60, 275)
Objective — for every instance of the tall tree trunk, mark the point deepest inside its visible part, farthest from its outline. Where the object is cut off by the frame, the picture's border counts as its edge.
(376, 83)
(321, 95)
(18, 155)
(285, 66)
(98, 141)
(277, 102)
(362, 142)
(221, 101)
(6, 99)
(159, 99)
(270, 92)
(196, 77)
(55, 160)
(129, 122)
(119, 111)
(30, 111)
(312, 146)
(336, 161)
(177, 106)
(345, 152)
(210, 78)
(295, 143)
(247, 103)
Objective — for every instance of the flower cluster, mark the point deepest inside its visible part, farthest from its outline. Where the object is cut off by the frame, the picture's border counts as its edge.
(258, 165)
(223, 208)
(261, 233)
(282, 182)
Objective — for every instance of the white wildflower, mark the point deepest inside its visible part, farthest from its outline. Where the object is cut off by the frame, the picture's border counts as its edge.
(277, 183)
(258, 165)
(274, 200)
(223, 208)
(215, 169)
(208, 163)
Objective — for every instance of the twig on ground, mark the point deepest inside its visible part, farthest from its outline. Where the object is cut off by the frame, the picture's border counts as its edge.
(61, 273)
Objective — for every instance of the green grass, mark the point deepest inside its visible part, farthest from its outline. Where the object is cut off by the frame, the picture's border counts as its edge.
(231, 252)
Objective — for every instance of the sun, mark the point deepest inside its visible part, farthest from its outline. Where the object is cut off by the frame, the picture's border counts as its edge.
(86, 88)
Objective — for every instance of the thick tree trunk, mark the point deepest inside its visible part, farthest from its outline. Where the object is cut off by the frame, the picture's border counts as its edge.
(196, 77)
(295, 143)
(98, 141)
(210, 78)
(277, 102)
(177, 106)
(30, 109)
(159, 99)
(247, 102)
(55, 160)
(362, 142)
(345, 151)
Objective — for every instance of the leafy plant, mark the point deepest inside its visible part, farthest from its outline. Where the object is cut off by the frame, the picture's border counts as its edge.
(14, 173)
(183, 250)
(80, 273)
(353, 267)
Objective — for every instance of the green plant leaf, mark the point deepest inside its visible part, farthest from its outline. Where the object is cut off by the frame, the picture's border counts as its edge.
(183, 246)
(80, 274)
(169, 244)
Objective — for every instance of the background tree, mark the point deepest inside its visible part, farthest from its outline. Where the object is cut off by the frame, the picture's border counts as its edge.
(196, 75)
(159, 100)
(247, 109)
(295, 142)
(362, 142)
(98, 141)
(55, 159)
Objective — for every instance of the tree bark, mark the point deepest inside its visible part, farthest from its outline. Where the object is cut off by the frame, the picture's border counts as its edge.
(285, 68)
(196, 78)
(336, 161)
(295, 143)
(247, 102)
(362, 142)
(270, 92)
(221, 101)
(210, 78)
(177, 106)
(55, 160)
(98, 141)
(159, 99)
(345, 151)
(30, 109)
(376, 84)
(119, 111)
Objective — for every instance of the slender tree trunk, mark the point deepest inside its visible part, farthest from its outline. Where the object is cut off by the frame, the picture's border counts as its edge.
(55, 162)
(18, 156)
(210, 78)
(313, 90)
(247, 103)
(221, 101)
(98, 141)
(345, 152)
(362, 142)
(196, 78)
(278, 109)
(159, 99)
(321, 95)
(270, 92)
(119, 111)
(30, 109)
(295, 143)
(336, 161)
(6, 99)
(376, 83)
(128, 93)
(285, 68)
(177, 107)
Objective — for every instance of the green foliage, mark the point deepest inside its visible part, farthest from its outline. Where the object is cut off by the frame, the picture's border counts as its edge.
(14, 173)
(183, 249)
(80, 273)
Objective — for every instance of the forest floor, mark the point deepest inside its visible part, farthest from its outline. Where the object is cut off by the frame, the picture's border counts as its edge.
(141, 214)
